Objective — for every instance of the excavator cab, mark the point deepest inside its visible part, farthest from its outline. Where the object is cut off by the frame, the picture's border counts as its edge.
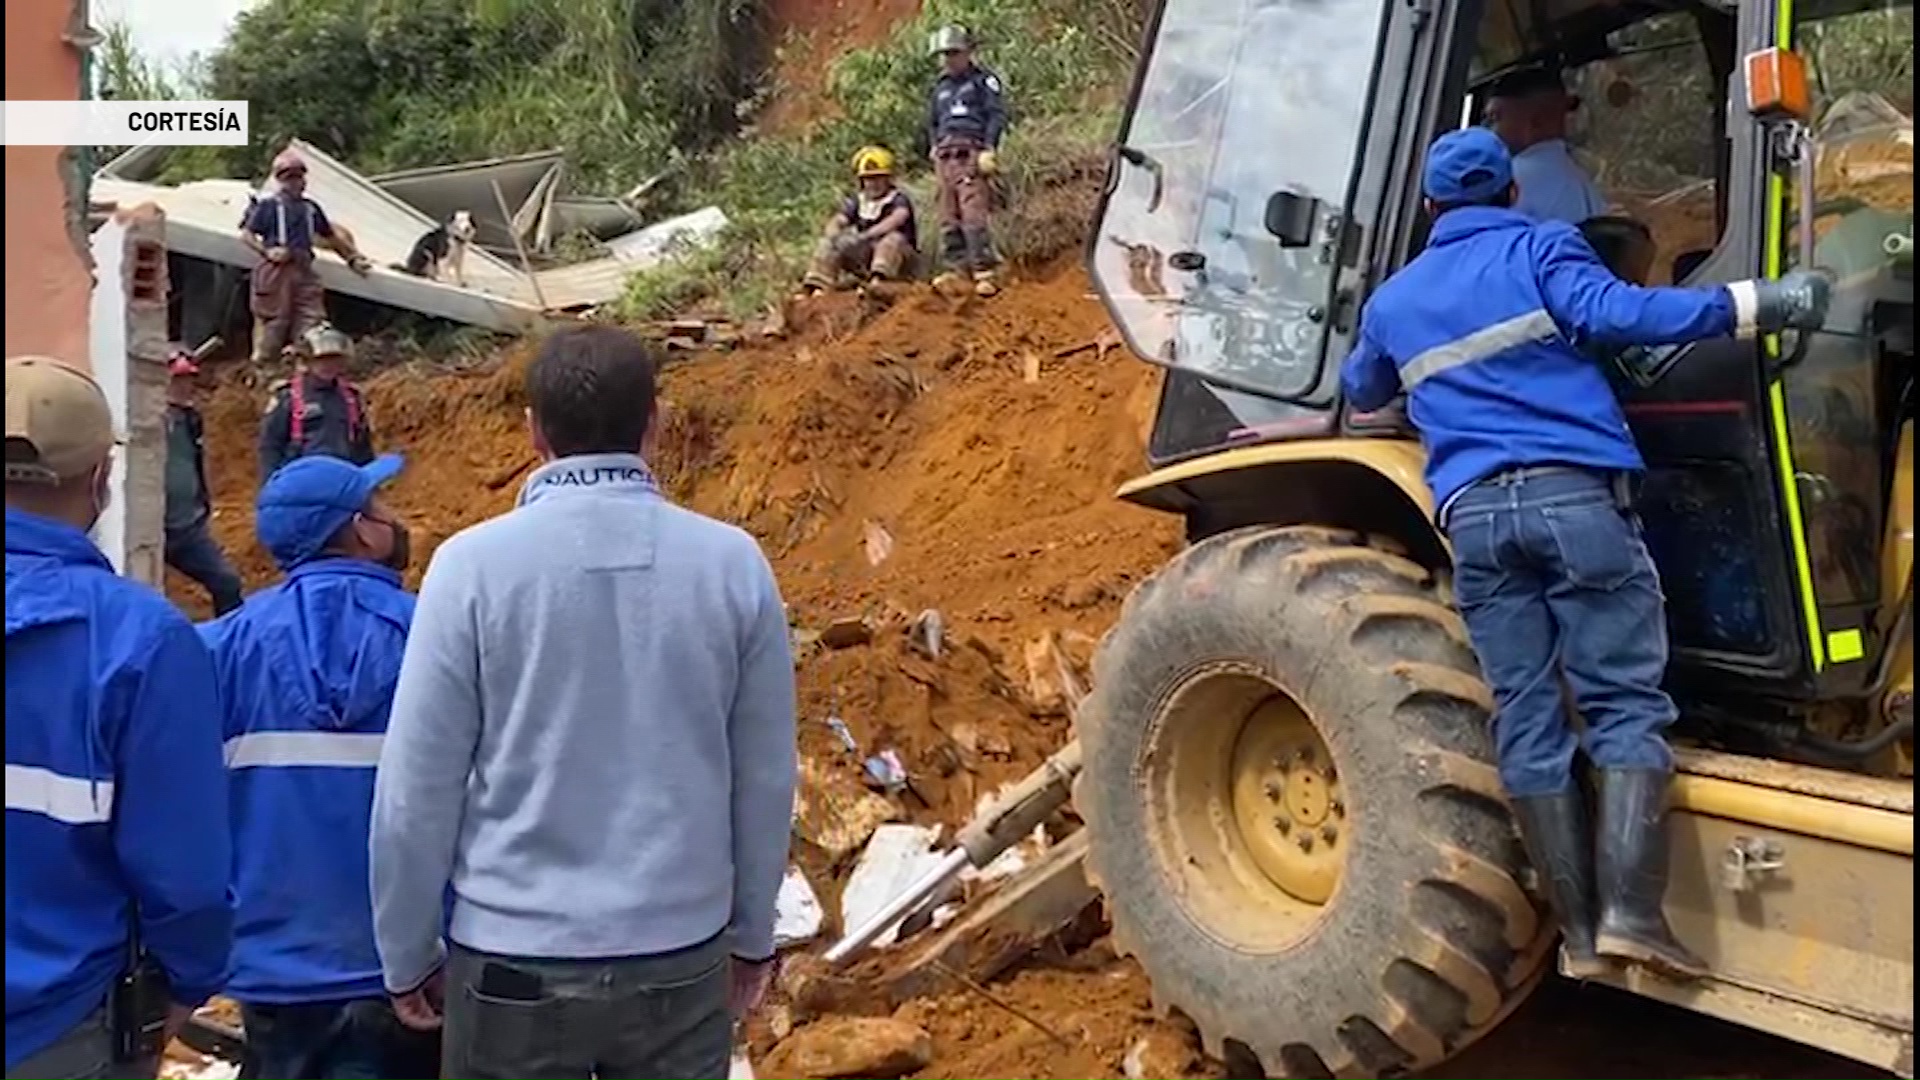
(1296, 673)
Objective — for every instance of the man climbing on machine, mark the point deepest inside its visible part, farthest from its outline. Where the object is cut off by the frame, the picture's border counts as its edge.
(872, 236)
(1533, 469)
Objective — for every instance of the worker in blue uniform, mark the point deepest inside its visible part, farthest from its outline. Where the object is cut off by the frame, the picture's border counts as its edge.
(966, 118)
(307, 671)
(1490, 333)
(118, 924)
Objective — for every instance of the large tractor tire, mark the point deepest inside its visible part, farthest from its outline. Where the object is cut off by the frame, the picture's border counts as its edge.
(1293, 816)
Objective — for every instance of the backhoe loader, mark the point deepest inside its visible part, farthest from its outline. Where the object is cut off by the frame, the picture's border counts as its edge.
(1285, 767)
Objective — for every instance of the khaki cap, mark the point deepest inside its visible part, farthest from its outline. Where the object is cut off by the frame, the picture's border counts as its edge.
(58, 424)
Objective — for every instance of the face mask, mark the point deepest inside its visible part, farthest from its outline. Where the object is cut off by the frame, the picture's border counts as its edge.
(100, 496)
(401, 553)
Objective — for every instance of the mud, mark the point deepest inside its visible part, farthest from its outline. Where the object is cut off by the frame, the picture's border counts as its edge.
(952, 428)
(810, 34)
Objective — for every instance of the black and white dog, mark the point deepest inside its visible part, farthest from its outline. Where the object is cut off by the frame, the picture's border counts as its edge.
(444, 247)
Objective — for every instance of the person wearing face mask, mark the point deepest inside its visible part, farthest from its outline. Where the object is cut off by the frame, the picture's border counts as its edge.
(307, 671)
(118, 924)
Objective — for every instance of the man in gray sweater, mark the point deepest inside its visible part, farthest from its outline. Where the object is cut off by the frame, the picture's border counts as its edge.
(592, 742)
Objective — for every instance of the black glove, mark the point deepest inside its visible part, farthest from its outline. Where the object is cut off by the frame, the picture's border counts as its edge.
(1798, 300)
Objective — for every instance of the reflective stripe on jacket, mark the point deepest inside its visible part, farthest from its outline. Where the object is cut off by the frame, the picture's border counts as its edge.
(1485, 329)
(307, 670)
(116, 798)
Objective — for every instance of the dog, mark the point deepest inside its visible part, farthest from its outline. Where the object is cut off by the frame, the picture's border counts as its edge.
(441, 248)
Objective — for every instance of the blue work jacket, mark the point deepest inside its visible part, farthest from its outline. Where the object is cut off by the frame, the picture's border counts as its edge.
(307, 669)
(1485, 331)
(116, 799)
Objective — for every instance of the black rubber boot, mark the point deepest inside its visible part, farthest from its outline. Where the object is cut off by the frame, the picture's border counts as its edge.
(1633, 873)
(1560, 846)
(979, 250)
(953, 248)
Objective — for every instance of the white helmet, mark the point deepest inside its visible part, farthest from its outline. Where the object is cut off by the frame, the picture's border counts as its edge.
(324, 340)
(949, 38)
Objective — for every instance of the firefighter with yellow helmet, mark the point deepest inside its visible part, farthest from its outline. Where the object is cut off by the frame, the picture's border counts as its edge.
(872, 236)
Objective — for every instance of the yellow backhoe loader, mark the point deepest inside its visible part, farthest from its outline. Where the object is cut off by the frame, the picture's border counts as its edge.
(1285, 767)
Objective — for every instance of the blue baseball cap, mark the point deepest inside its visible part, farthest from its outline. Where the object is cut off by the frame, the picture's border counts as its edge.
(1471, 165)
(308, 499)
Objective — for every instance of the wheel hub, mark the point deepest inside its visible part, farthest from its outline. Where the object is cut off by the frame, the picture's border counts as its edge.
(1287, 802)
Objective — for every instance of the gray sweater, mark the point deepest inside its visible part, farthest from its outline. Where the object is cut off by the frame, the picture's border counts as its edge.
(593, 735)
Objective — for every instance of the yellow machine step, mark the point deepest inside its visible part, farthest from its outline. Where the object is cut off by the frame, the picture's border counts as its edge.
(1796, 885)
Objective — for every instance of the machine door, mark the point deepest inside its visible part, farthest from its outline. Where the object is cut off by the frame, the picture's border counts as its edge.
(1764, 489)
(1235, 102)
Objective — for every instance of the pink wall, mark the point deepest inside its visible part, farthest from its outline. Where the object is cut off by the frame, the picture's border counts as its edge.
(49, 276)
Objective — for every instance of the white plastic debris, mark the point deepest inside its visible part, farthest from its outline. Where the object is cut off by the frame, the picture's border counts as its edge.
(740, 1068)
(895, 858)
(797, 915)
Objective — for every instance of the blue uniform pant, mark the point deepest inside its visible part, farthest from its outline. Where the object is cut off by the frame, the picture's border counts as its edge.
(193, 552)
(335, 1040)
(1554, 581)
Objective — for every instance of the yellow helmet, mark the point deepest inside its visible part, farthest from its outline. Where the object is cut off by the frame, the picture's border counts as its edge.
(873, 161)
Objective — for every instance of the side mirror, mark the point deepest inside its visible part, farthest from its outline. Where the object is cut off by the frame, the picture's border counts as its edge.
(1290, 218)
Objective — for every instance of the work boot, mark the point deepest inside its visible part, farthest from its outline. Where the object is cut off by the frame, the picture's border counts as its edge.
(1632, 868)
(1560, 846)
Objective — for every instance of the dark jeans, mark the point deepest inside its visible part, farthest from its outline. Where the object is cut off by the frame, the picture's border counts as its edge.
(650, 1016)
(84, 1053)
(335, 1040)
(192, 552)
(1554, 580)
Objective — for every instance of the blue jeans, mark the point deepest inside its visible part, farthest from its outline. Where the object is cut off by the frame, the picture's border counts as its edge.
(334, 1040)
(1554, 580)
(193, 552)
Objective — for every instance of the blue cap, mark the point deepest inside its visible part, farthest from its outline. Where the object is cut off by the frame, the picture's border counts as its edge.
(308, 499)
(1471, 165)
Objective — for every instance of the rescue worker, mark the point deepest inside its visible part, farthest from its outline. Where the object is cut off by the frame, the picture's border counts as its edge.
(307, 671)
(1528, 109)
(1531, 464)
(873, 235)
(317, 411)
(966, 118)
(190, 547)
(283, 228)
(117, 844)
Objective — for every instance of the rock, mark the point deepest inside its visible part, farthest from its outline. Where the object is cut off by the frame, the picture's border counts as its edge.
(834, 812)
(852, 1046)
(846, 633)
(896, 857)
(797, 915)
(1160, 1054)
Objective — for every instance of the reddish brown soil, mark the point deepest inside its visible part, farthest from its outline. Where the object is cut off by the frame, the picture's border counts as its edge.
(918, 420)
(811, 34)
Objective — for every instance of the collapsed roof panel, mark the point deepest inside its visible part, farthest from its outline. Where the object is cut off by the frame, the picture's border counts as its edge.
(526, 182)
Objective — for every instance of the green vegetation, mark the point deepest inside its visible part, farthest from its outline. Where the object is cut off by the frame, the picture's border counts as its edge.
(633, 89)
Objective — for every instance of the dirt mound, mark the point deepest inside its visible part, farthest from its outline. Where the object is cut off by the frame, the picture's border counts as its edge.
(810, 34)
(933, 454)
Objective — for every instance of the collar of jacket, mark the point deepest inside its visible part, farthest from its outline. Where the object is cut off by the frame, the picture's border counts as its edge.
(31, 534)
(341, 565)
(611, 474)
(1468, 221)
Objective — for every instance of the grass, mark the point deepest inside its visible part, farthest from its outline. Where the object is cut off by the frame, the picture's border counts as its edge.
(1062, 83)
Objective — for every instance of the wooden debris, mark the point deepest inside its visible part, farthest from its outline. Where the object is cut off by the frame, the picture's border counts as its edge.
(1031, 366)
(1002, 927)
(878, 542)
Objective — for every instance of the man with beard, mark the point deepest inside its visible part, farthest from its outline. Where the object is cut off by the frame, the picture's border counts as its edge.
(307, 671)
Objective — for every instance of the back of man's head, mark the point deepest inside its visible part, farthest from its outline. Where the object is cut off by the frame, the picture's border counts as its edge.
(590, 390)
(1467, 167)
(59, 440)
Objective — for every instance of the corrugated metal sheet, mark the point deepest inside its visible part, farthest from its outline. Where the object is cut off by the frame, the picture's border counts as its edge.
(526, 181)
(203, 222)
(600, 281)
